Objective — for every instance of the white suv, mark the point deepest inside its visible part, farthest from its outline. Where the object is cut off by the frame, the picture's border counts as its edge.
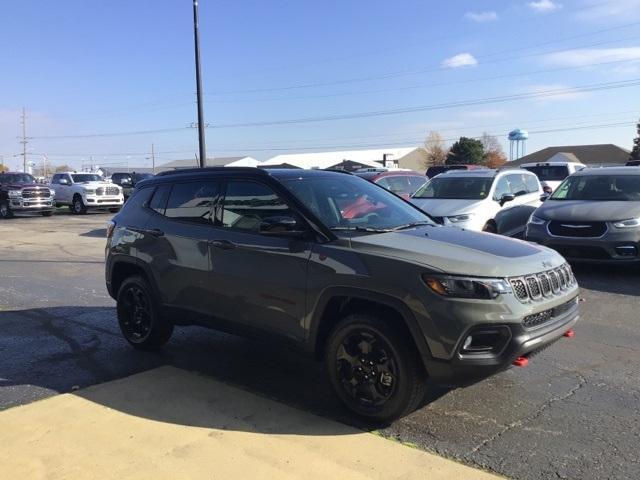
(81, 191)
(551, 174)
(483, 200)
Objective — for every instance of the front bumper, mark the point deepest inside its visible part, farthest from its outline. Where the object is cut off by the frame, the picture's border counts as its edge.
(617, 245)
(103, 201)
(466, 369)
(35, 205)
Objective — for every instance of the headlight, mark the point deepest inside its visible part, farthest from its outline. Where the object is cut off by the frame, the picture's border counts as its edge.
(460, 218)
(53, 192)
(89, 191)
(15, 193)
(631, 223)
(536, 220)
(465, 287)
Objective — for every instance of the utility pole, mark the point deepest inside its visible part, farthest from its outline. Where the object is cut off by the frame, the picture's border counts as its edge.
(201, 126)
(24, 140)
(153, 160)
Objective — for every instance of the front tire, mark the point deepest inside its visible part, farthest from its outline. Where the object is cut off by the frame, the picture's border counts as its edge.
(47, 213)
(114, 210)
(5, 210)
(77, 206)
(375, 369)
(139, 317)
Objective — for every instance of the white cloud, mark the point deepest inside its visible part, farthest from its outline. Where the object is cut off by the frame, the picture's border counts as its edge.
(554, 92)
(586, 56)
(481, 17)
(460, 60)
(543, 6)
(598, 10)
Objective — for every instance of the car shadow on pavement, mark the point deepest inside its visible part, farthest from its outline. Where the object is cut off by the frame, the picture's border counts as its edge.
(53, 350)
(620, 279)
(96, 233)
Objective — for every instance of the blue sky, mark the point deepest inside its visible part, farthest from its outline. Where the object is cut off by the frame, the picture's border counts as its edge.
(88, 68)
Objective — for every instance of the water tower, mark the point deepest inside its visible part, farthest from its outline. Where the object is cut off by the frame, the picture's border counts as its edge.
(517, 139)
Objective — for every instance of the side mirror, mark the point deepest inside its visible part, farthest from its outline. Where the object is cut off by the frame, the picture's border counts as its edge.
(544, 197)
(126, 181)
(280, 226)
(63, 181)
(507, 197)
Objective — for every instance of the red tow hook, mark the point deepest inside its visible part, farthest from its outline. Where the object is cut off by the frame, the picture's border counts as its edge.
(521, 362)
(570, 333)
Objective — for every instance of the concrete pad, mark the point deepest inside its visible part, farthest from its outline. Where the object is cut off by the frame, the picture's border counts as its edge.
(172, 424)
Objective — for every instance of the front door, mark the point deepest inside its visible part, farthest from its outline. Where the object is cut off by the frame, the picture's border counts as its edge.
(259, 280)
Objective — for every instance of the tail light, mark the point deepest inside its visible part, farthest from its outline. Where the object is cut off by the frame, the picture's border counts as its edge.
(111, 226)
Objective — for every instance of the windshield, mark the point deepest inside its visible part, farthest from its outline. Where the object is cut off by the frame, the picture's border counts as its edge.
(460, 188)
(20, 178)
(599, 188)
(549, 173)
(350, 202)
(86, 177)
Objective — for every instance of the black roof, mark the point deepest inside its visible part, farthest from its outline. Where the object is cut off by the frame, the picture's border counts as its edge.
(260, 172)
(600, 154)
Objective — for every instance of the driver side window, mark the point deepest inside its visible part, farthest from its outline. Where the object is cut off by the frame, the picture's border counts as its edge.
(502, 188)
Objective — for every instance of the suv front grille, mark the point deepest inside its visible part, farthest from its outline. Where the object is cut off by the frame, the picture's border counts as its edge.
(577, 229)
(545, 284)
(544, 317)
(107, 191)
(36, 193)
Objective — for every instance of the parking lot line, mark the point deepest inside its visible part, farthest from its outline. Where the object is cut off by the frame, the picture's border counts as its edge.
(167, 423)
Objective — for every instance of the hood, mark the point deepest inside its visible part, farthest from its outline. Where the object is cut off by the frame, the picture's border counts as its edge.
(586, 211)
(96, 184)
(461, 252)
(24, 185)
(443, 207)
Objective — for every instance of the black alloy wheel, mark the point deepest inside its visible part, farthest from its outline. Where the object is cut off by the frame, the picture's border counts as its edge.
(374, 367)
(366, 368)
(138, 316)
(78, 206)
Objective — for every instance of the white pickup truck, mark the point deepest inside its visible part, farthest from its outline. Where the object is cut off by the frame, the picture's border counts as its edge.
(82, 191)
(551, 174)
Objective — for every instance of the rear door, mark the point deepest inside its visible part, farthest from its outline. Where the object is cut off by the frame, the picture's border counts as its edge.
(177, 243)
(259, 280)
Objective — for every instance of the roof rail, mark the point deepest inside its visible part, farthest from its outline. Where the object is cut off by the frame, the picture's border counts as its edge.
(180, 171)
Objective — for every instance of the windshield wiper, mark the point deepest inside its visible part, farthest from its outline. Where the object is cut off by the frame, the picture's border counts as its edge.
(362, 229)
(411, 225)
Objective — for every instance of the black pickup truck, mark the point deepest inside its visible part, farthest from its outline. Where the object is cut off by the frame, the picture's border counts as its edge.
(19, 193)
(128, 181)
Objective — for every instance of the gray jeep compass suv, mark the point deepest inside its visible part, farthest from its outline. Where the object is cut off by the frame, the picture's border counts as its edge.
(340, 268)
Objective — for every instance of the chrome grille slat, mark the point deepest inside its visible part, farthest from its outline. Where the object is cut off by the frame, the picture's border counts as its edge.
(543, 279)
(534, 287)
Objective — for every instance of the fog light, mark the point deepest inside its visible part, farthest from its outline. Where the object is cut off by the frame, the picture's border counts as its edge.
(487, 340)
(627, 251)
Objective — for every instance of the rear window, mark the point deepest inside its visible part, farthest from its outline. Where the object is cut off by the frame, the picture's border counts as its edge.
(552, 173)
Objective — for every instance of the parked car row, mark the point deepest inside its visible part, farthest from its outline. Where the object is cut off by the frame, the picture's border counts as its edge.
(21, 193)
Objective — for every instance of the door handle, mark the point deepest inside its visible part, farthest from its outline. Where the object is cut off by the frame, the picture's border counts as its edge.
(223, 244)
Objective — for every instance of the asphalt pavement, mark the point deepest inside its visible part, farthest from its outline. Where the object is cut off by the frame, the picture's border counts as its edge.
(574, 412)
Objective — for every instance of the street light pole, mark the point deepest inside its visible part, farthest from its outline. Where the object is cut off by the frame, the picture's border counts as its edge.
(196, 36)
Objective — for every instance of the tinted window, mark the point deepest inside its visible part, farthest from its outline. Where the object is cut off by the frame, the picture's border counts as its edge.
(599, 188)
(192, 201)
(246, 204)
(462, 188)
(549, 173)
(139, 199)
(159, 200)
(416, 182)
(86, 177)
(395, 184)
(18, 178)
(532, 183)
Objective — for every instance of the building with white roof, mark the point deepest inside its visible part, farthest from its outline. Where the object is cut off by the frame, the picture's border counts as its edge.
(408, 158)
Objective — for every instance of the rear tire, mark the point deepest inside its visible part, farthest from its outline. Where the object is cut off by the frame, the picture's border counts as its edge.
(5, 210)
(374, 368)
(139, 317)
(77, 206)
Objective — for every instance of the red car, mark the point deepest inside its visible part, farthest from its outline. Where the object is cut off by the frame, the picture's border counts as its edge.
(401, 182)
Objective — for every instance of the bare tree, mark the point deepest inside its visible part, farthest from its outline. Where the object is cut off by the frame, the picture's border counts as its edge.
(494, 156)
(436, 153)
